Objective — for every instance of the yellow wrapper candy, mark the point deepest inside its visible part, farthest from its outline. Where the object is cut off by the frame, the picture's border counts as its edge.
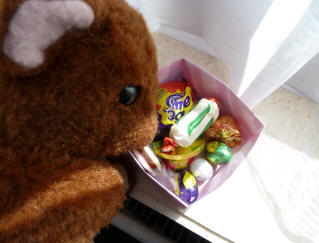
(174, 99)
(180, 153)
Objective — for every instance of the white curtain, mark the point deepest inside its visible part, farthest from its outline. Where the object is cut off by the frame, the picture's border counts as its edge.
(264, 44)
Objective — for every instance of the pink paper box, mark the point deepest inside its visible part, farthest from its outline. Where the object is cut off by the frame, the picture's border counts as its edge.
(206, 85)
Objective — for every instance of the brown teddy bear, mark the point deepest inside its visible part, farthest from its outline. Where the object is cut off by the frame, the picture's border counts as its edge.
(78, 81)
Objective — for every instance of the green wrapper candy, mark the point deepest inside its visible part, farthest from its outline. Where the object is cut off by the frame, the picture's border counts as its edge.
(218, 153)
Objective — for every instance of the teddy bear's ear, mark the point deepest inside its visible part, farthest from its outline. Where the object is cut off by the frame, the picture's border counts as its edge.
(37, 24)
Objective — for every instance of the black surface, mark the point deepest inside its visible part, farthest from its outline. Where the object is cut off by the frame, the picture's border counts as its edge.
(157, 222)
(113, 234)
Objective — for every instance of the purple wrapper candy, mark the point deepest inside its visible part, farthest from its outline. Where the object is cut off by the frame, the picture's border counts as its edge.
(187, 189)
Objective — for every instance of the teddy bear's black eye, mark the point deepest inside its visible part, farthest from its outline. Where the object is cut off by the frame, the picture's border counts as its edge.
(128, 95)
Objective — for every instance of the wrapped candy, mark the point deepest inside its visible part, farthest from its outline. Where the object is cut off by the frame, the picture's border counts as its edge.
(149, 161)
(195, 123)
(226, 130)
(218, 153)
(180, 153)
(201, 169)
(174, 99)
(186, 187)
(177, 164)
(169, 145)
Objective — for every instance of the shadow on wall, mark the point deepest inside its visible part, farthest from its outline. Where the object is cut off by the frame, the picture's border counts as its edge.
(305, 82)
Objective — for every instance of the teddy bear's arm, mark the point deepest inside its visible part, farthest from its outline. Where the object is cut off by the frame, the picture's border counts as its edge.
(56, 201)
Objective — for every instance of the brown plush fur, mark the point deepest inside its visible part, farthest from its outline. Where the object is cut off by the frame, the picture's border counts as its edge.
(59, 121)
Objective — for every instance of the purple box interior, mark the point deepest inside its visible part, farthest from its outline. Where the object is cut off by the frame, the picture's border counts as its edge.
(206, 85)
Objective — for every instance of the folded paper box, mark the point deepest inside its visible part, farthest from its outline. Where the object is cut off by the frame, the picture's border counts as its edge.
(206, 85)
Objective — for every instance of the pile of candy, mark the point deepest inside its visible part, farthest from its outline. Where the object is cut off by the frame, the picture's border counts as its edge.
(192, 139)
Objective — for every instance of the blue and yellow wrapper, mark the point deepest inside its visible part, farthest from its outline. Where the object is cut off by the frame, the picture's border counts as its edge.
(174, 99)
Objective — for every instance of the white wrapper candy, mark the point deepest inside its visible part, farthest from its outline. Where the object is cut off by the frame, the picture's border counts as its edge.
(152, 159)
(201, 169)
(149, 161)
(194, 123)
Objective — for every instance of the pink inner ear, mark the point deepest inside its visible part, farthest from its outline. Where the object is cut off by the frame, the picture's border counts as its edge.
(39, 23)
